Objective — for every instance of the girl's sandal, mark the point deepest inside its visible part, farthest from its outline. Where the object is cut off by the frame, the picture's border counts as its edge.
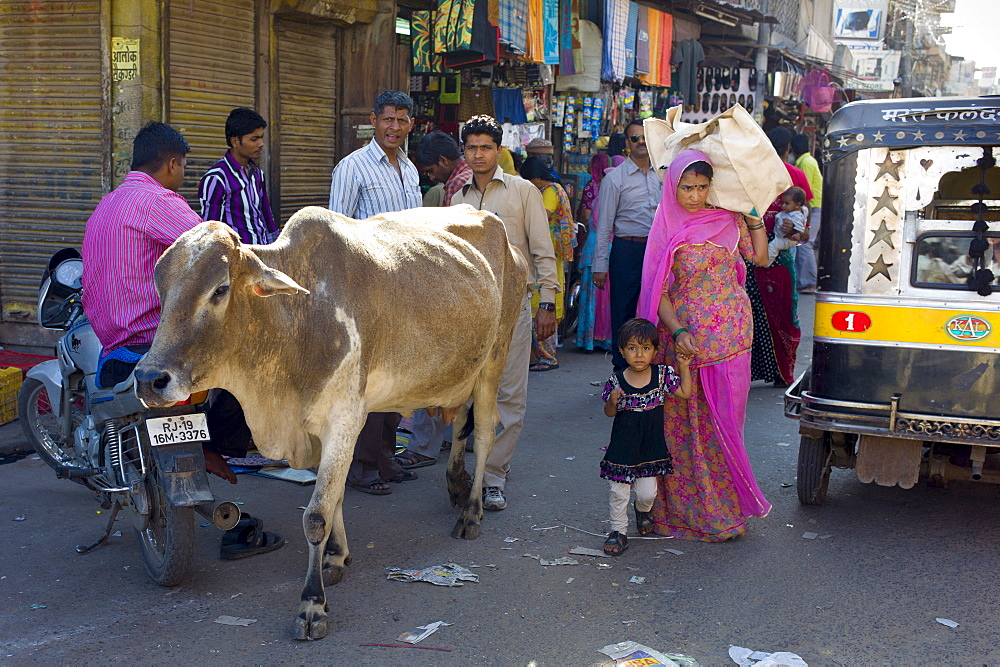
(644, 522)
(616, 544)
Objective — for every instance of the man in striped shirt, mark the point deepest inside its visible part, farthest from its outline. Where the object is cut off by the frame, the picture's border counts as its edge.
(233, 191)
(125, 235)
(378, 178)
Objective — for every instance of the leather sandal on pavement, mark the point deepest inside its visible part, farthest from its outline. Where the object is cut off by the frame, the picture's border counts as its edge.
(643, 522)
(408, 459)
(616, 544)
(248, 538)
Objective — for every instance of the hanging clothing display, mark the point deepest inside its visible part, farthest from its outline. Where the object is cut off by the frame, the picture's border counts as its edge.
(513, 16)
(666, 41)
(630, 37)
(550, 32)
(425, 61)
(687, 55)
(509, 106)
(655, 44)
(567, 14)
(536, 32)
(615, 27)
(642, 41)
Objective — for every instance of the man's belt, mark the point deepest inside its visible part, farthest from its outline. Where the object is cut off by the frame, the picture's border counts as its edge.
(637, 239)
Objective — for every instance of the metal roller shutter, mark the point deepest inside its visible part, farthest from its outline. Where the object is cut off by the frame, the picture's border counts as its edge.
(306, 107)
(211, 68)
(53, 161)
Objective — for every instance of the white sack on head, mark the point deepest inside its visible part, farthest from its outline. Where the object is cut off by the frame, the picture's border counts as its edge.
(749, 175)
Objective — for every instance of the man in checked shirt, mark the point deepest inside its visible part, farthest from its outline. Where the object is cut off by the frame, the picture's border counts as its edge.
(233, 190)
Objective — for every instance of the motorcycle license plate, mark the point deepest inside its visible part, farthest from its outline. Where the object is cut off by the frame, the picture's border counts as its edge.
(177, 429)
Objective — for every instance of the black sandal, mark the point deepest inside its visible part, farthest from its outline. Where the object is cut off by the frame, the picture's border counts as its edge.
(615, 539)
(644, 522)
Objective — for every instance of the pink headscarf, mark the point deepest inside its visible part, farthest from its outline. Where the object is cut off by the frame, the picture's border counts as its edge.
(674, 226)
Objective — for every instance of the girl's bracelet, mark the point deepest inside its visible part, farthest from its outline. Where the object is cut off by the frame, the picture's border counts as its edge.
(679, 332)
(755, 228)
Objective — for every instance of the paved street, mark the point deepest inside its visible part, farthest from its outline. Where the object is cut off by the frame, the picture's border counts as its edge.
(892, 561)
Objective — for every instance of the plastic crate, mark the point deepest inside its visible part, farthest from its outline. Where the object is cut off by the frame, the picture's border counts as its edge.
(10, 382)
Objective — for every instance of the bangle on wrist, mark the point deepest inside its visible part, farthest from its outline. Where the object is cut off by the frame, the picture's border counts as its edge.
(755, 227)
(679, 332)
(547, 305)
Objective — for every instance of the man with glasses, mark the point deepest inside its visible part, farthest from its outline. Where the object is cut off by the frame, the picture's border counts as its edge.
(626, 205)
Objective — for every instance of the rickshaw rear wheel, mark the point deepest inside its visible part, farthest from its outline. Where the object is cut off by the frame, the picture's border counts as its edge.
(813, 475)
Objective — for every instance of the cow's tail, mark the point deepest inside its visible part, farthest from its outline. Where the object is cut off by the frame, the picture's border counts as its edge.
(470, 424)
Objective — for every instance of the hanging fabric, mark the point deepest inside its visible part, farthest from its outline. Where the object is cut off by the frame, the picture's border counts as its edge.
(655, 44)
(550, 32)
(630, 37)
(425, 61)
(615, 27)
(666, 40)
(471, 40)
(566, 23)
(642, 41)
(513, 16)
(453, 25)
(536, 32)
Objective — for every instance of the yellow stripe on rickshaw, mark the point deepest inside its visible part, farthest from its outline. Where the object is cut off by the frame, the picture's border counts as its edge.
(869, 323)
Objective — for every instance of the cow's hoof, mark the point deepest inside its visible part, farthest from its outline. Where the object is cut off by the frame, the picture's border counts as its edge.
(311, 624)
(332, 574)
(467, 530)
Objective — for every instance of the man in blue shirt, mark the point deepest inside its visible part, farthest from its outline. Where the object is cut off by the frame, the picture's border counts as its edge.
(378, 178)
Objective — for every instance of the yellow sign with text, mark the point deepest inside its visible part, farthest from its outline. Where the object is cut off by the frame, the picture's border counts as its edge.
(907, 324)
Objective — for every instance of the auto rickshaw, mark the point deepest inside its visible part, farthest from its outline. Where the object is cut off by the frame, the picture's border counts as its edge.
(905, 376)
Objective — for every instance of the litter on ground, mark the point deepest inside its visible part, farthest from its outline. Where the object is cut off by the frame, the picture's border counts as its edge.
(235, 620)
(676, 552)
(947, 621)
(448, 574)
(19, 518)
(749, 658)
(809, 536)
(565, 560)
(637, 580)
(584, 551)
(421, 632)
(633, 653)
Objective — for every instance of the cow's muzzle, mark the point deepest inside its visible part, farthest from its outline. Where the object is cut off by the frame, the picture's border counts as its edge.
(158, 387)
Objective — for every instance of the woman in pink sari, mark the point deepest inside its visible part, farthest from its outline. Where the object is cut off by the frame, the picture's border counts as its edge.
(692, 285)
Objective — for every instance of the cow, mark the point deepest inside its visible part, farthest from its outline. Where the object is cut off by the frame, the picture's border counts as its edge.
(338, 318)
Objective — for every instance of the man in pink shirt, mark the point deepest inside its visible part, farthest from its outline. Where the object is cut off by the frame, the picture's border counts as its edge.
(124, 237)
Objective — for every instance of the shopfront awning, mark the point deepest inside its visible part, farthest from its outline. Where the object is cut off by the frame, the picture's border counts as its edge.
(722, 12)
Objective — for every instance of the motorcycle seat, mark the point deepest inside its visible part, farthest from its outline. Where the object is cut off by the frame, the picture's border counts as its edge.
(103, 395)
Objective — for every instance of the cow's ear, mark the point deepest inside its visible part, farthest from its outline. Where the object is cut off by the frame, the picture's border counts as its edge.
(267, 281)
(273, 281)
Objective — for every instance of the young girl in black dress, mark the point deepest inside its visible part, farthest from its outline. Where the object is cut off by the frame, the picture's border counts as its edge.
(638, 451)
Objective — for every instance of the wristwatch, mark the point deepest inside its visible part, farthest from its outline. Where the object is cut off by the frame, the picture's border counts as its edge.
(547, 305)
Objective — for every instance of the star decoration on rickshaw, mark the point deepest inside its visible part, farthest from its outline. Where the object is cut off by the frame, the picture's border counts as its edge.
(844, 140)
(878, 136)
(884, 235)
(879, 267)
(918, 135)
(885, 202)
(960, 135)
(888, 167)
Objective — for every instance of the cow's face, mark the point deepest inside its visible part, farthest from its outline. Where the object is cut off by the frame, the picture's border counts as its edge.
(208, 284)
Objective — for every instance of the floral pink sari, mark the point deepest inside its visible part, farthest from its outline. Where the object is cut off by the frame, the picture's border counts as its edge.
(694, 258)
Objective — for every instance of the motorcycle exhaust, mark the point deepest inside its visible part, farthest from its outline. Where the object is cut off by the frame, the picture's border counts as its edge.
(224, 516)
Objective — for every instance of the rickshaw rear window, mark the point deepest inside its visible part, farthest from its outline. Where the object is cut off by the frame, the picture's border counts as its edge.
(943, 262)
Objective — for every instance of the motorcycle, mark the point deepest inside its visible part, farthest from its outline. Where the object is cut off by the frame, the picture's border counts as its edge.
(145, 461)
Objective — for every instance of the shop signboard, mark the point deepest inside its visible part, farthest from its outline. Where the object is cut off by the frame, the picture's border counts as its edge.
(859, 19)
(876, 69)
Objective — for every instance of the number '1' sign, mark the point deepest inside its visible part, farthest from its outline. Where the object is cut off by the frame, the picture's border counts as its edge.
(850, 321)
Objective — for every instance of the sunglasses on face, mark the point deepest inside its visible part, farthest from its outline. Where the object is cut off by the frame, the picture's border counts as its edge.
(636, 138)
